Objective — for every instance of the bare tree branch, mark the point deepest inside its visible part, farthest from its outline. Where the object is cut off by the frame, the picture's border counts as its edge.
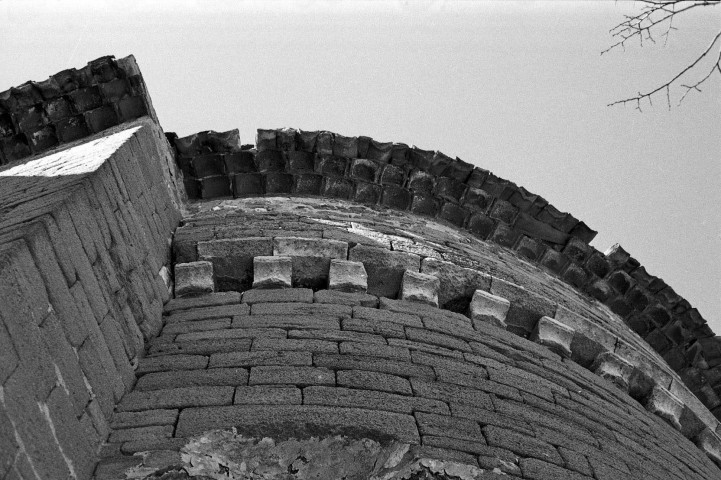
(645, 25)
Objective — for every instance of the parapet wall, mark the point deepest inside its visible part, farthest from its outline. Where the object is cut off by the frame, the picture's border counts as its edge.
(393, 175)
(70, 105)
(84, 238)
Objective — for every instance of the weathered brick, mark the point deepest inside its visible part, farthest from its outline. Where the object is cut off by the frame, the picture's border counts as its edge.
(296, 375)
(489, 417)
(202, 347)
(154, 432)
(385, 329)
(32, 427)
(404, 319)
(373, 364)
(203, 313)
(289, 295)
(521, 444)
(265, 357)
(373, 381)
(267, 395)
(302, 420)
(442, 363)
(454, 427)
(346, 397)
(434, 338)
(375, 350)
(305, 319)
(144, 419)
(344, 298)
(535, 469)
(300, 309)
(192, 378)
(58, 292)
(69, 434)
(172, 362)
(445, 391)
(196, 326)
(294, 344)
(424, 347)
(176, 398)
(232, 333)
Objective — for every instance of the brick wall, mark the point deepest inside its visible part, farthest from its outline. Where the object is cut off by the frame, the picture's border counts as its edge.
(394, 175)
(84, 236)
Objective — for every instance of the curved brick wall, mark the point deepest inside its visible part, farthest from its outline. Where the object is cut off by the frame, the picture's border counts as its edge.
(433, 384)
(393, 175)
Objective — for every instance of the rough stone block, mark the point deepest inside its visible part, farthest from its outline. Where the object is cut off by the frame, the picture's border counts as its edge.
(272, 272)
(392, 175)
(245, 184)
(194, 278)
(666, 405)
(347, 276)
(554, 335)
(614, 369)
(374, 381)
(421, 182)
(396, 197)
(176, 398)
(215, 187)
(425, 204)
(368, 193)
(454, 214)
(144, 419)
(337, 187)
(488, 308)
(420, 287)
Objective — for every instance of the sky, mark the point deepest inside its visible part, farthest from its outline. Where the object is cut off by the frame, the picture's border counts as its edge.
(518, 88)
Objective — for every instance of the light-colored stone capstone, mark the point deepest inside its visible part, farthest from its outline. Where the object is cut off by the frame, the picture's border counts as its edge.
(554, 335)
(193, 278)
(419, 287)
(613, 368)
(666, 405)
(489, 308)
(272, 272)
(347, 276)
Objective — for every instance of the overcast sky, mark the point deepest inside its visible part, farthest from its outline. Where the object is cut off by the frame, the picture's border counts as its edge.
(517, 88)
